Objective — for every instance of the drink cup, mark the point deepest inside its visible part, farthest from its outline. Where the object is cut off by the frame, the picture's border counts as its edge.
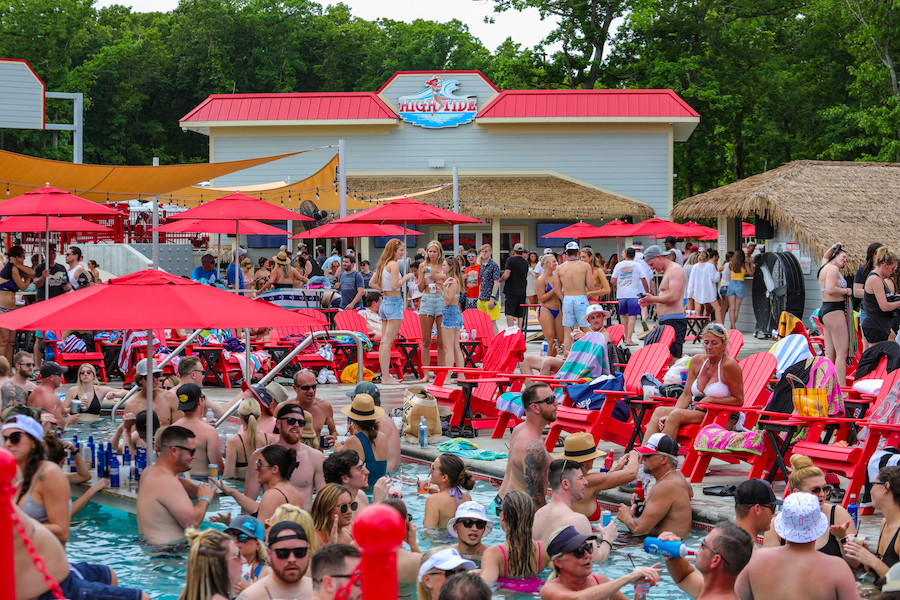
(395, 490)
(432, 288)
(606, 516)
(76, 406)
(422, 483)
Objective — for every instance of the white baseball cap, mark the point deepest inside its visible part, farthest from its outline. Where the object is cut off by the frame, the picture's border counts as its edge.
(573, 246)
(141, 367)
(26, 424)
(470, 510)
(548, 250)
(445, 560)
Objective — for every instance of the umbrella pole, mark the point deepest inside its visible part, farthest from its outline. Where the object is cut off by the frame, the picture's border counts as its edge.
(47, 257)
(237, 265)
(406, 262)
(247, 371)
(148, 381)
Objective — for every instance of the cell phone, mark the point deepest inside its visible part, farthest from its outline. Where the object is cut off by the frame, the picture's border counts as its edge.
(641, 294)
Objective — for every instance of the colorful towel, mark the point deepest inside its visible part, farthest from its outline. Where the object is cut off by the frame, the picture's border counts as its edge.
(789, 351)
(132, 339)
(587, 359)
(467, 449)
(511, 402)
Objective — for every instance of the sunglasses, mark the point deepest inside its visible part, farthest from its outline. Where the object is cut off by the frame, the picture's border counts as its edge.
(31, 364)
(771, 507)
(13, 438)
(467, 523)
(293, 421)
(345, 507)
(707, 546)
(241, 537)
(261, 465)
(306, 388)
(550, 400)
(448, 573)
(499, 507)
(285, 553)
(586, 548)
(86, 372)
(821, 490)
(191, 451)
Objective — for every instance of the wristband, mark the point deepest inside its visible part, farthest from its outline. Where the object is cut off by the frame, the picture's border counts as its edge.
(75, 451)
(608, 542)
(208, 501)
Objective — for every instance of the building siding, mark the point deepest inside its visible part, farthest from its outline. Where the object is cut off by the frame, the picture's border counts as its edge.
(21, 98)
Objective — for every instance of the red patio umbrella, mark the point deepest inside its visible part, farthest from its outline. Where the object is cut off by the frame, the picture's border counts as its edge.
(578, 231)
(49, 202)
(245, 226)
(240, 206)
(614, 229)
(150, 299)
(747, 230)
(657, 228)
(700, 232)
(353, 230)
(406, 210)
(34, 224)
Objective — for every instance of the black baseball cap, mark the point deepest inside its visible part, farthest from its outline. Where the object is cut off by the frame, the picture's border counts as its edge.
(366, 387)
(188, 396)
(660, 443)
(50, 368)
(294, 532)
(567, 540)
(140, 423)
(288, 409)
(756, 491)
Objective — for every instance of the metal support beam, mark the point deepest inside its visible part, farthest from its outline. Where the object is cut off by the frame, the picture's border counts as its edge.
(77, 122)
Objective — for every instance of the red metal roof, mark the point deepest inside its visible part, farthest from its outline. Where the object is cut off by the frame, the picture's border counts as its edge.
(290, 107)
(538, 104)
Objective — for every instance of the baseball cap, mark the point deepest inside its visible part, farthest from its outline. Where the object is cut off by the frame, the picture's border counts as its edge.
(141, 368)
(249, 525)
(548, 250)
(801, 519)
(295, 532)
(264, 398)
(652, 252)
(756, 491)
(52, 245)
(188, 396)
(238, 252)
(470, 510)
(140, 423)
(596, 308)
(660, 443)
(50, 368)
(518, 248)
(366, 387)
(208, 258)
(444, 560)
(573, 246)
(26, 424)
(286, 410)
(694, 249)
(671, 239)
(567, 540)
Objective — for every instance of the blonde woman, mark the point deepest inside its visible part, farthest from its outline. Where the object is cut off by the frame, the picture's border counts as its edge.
(332, 512)
(213, 566)
(88, 393)
(431, 310)
(295, 514)
(241, 446)
(876, 326)
(387, 279)
(549, 292)
(451, 321)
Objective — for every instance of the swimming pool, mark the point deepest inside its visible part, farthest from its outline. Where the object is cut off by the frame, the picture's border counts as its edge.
(108, 536)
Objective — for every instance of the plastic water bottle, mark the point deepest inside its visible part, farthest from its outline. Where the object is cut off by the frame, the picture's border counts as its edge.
(423, 432)
(474, 334)
(210, 416)
(545, 347)
(608, 463)
(126, 462)
(639, 499)
(853, 509)
(113, 471)
(323, 443)
(656, 546)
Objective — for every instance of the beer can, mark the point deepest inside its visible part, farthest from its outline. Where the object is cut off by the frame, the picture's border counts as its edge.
(213, 471)
(606, 516)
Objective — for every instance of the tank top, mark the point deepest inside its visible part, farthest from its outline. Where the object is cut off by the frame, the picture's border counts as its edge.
(6, 273)
(70, 273)
(875, 317)
(377, 468)
(386, 281)
(737, 276)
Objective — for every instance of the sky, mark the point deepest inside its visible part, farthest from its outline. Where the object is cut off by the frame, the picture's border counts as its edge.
(524, 27)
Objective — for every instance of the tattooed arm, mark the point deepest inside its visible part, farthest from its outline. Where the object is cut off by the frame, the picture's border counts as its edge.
(535, 475)
(12, 395)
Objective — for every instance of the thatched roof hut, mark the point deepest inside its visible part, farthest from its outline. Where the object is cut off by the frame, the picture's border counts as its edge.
(520, 197)
(816, 202)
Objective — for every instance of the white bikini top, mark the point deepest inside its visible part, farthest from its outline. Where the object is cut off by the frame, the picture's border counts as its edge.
(713, 390)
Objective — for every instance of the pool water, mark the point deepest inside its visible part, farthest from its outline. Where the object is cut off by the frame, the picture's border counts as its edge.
(108, 536)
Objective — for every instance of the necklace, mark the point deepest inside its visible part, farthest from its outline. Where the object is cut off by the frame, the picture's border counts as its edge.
(669, 472)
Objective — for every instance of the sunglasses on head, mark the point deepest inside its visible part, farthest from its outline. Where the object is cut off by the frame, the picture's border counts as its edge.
(191, 451)
(294, 421)
(467, 523)
(13, 438)
(586, 548)
(345, 507)
(306, 388)
(284, 553)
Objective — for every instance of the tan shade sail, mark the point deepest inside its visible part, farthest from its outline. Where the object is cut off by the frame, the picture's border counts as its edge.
(99, 183)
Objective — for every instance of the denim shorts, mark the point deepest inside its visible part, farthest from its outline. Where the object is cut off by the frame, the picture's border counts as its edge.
(736, 289)
(432, 305)
(92, 582)
(452, 317)
(391, 308)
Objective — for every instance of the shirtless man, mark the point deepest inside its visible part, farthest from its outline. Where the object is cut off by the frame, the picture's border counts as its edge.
(567, 483)
(165, 403)
(668, 505)
(669, 303)
(322, 412)
(722, 556)
(526, 468)
(596, 317)
(754, 506)
(95, 581)
(576, 279)
(580, 447)
(289, 558)
(346, 468)
(469, 525)
(192, 403)
(386, 424)
(44, 396)
(308, 476)
(15, 391)
(796, 571)
(164, 508)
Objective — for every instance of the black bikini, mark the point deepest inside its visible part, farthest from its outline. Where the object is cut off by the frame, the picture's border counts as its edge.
(242, 465)
(254, 515)
(94, 408)
(890, 557)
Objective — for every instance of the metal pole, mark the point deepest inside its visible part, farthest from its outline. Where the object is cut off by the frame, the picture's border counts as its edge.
(342, 177)
(247, 370)
(148, 382)
(78, 138)
(155, 252)
(455, 207)
(47, 257)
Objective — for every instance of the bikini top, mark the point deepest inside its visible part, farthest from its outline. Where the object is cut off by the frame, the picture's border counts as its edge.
(6, 273)
(713, 390)
(842, 282)
(238, 464)
(890, 557)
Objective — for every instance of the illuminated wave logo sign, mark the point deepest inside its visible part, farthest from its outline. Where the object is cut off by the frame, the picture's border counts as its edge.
(437, 106)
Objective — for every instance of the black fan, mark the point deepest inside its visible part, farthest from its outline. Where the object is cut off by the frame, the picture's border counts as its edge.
(777, 287)
(309, 209)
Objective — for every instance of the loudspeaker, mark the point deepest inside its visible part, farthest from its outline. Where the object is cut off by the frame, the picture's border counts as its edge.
(764, 228)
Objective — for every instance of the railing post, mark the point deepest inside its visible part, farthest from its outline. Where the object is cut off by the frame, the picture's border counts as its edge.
(379, 530)
(7, 559)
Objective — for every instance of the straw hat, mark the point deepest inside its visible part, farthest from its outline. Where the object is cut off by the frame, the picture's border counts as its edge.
(281, 258)
(308, 431)
(801, 519)
(580, 447)
(363, 409)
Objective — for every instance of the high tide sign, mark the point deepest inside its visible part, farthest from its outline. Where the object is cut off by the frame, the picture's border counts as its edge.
(438, 105)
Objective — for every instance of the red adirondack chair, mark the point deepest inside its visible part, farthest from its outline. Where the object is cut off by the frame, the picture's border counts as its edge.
(411, 330)
(474, 319)
(93, 356)
(599, 423)
(735, 343)
(483, 401)
(756, 370)
(278, 343)
(616, 333)
(351, 320)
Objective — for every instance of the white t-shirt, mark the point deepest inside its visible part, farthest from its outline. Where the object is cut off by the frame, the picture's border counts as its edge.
(639, 259)
(628, 275)
(679, 258)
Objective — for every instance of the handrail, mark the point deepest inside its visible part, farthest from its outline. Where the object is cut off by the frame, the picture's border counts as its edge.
(290, 356)
(164, 362)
